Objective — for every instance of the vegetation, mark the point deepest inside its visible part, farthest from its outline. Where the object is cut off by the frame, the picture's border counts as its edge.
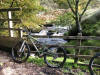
(32, 7)
(36, 60)
(28, 13)
(65, 20)
(67, 66)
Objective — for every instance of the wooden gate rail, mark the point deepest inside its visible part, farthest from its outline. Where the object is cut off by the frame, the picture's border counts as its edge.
(69, 37)
(88, 65)
(17, 20)
(9, 19)
(10, 9)
(83, 47)
(75, 46)
(15, 29)
(72, 55)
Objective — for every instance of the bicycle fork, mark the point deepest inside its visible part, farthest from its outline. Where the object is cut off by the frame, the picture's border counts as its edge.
(21, 50)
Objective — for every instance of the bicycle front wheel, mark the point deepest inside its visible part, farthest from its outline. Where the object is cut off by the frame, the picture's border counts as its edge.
(94, 65)
(20, 52)
(55, 57)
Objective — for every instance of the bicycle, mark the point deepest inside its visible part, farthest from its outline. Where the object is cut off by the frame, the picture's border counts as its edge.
(54, 56)
(94, 64)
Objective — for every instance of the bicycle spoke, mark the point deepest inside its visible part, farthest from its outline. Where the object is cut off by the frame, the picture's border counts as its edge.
(95, 66)
(52, 58)
(20, 52)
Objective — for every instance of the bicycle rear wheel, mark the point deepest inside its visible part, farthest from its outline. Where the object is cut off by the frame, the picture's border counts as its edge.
(94, 65)
(55, 57)
(20, 52)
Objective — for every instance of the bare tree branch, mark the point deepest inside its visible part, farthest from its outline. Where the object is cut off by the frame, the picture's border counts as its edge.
(77, 17)
(84, 9)
(74, 2)
(76, 7)
(71, 7)
(12, 3)
(76, 12)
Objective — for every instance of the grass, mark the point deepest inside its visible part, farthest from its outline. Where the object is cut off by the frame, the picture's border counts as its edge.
(40, 61)
(68, 64)
(36, 60)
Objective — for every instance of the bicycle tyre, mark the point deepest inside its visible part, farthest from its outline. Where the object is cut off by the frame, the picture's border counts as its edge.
(47, 57)
(15, 53)
(91, 63)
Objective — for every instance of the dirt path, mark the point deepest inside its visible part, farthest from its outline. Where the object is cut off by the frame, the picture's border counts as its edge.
(27, 69)
(8, 67)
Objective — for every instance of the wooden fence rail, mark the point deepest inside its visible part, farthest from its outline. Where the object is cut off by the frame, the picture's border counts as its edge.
(16, 20)
(10, 9)
(16, 29)
(72, 55)
(82, 47)
(20, 33)
(69, 37)
(9, 17)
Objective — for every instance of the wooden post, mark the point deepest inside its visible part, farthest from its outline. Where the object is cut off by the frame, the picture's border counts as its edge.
(20, 33)
(77, 52)
(10, 24)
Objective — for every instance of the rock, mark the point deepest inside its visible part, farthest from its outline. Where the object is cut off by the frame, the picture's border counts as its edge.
(8, 71)
(49, 4)
(91, 15)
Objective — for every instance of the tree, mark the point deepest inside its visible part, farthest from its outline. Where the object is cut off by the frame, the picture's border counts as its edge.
(77, 16)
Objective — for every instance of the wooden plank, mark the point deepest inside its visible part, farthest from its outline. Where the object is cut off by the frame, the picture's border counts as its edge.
(96, 65)
(8, 41)
(10, 29)
(77, 47)
(80, 56)
(72, 55)
(10, 24)
(10, 20)
(10, 9)
(69, 37)
(20, 33)
(81, 47)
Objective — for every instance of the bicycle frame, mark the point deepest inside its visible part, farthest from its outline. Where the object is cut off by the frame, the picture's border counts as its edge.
(31, 38)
